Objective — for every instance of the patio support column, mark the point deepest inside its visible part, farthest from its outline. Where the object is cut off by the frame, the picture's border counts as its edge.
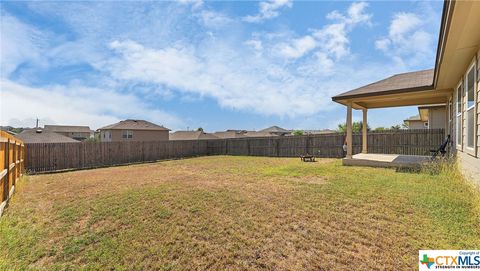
(349, 131)
(364, 131)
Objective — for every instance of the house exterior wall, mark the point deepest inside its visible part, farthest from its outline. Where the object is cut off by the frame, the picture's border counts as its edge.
(478, 105)
(412, 124)
(137, 135)
(437, 118)
(469, 159)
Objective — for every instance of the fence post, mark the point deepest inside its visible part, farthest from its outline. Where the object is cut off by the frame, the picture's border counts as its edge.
(14, 154)
(6, 180)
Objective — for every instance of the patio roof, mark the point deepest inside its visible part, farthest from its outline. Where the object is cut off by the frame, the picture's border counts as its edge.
(399, 83)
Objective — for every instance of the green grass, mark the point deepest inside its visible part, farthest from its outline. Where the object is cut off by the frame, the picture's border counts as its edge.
(236, 213)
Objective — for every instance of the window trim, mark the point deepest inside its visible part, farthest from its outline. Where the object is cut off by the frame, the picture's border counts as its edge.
(459, 132)
(466, 109)
(127, 134)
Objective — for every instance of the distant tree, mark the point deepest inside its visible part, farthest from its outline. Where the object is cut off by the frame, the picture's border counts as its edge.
(380, 129)
(199, 129)
(17, 130)
(404, 126)
(356, 127)
(92, 139)
(298, 132)
(395, 127)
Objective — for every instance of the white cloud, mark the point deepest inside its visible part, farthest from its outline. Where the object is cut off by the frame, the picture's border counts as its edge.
(194, 3)
(331, 40)
(19, 43)
(408, 41)
(255, 44)
(333, 37)
(214, 19)
(249, 84)
(268, 10)
(402, 23)
(297, 48)
(74, 105)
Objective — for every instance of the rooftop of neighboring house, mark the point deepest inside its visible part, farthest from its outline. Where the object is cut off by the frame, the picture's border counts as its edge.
(67, 129)
(38, 135)
(413, 118)
(259, 134)
(230, 134)
(275, 129)
(191, 135)
(317, 132)
(131, 124)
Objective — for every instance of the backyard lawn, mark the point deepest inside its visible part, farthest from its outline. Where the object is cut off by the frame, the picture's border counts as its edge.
(236, 213)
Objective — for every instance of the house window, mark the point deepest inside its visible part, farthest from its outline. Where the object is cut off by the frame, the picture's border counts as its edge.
(425, 124)
(458, 134)
(470, 106)
(127, 134)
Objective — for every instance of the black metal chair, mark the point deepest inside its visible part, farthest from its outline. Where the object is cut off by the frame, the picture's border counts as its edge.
(442, 150)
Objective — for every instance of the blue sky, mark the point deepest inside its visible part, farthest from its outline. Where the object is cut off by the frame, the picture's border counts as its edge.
(216, 65)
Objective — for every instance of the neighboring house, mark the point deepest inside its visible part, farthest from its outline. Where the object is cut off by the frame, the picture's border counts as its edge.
(231, 134)
(416, 122)
(260, 134)
(436, 115)
(318, 132)
(275, 130)
(191, 135)
(38, 135)
(455, 81)
(75, 132)
(133, 130)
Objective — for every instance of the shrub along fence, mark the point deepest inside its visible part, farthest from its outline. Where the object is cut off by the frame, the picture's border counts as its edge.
(45, 157)
(12, 153)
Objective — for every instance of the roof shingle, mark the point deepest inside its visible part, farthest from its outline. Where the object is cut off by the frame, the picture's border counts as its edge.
(43, 136)
(67, 129)
(191, 135)
(131, 124)
(410, 81)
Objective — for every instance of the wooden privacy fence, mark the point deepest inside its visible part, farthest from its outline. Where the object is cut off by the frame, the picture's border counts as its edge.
(408, 142)
(45, 157)
(12, 153)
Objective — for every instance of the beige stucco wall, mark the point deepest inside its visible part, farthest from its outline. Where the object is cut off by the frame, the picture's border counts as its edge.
(437, 118)
(412, 124)
(138, 135)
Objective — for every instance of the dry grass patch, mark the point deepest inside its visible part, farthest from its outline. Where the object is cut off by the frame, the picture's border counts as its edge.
(236, 213)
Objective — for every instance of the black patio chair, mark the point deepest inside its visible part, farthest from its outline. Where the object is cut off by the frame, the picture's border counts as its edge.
(442, 150)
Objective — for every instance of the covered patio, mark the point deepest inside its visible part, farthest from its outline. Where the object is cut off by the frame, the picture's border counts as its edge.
(406, 89)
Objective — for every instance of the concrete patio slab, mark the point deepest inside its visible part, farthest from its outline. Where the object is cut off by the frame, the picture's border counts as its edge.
(386, 160)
